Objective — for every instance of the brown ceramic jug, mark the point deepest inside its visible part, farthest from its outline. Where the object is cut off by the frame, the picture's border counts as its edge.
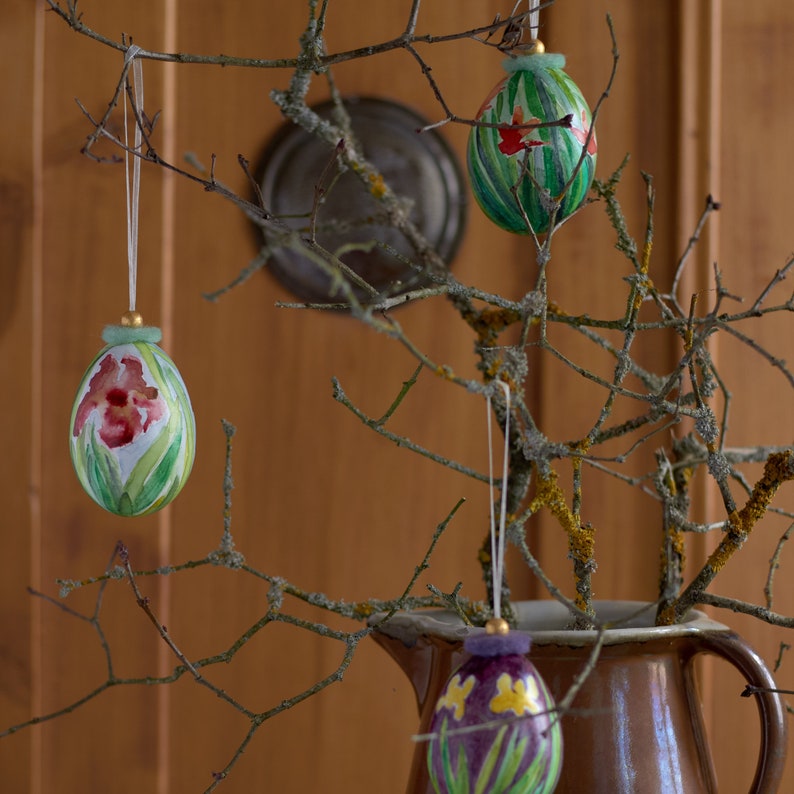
(635, 726)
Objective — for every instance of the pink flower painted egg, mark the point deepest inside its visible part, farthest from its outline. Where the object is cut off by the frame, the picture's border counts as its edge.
(133, 434)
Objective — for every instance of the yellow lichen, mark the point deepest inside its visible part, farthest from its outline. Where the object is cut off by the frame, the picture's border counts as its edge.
(492, 369)
(490, 322)
(677, 546)
(778, 469)
(376, 185)
(729, 545)
(582, 543)
(555, 310)
(645, 262)
(666, 616)
(581, 537)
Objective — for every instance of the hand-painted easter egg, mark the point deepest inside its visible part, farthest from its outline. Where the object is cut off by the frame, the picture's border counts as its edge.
(513, 169)
(494, 728)
(133, 434)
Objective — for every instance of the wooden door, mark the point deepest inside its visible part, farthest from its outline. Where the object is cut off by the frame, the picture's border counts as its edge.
(700, 102)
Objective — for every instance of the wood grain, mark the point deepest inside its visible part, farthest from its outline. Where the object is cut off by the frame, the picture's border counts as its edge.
(318, 499)
(18, 284)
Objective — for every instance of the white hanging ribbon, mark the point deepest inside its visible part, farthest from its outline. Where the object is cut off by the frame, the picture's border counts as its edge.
(134, 189)
(498, 542)
(534, 18)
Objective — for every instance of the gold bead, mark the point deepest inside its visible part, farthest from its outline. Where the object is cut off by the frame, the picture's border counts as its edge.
(131, 320)
(497, 626)
(537, 46)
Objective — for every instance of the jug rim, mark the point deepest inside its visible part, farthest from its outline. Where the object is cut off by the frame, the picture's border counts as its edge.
(545, 622)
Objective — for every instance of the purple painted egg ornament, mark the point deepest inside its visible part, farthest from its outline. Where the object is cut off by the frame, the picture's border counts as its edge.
(132, 431)
(518, 747)
(517, 172)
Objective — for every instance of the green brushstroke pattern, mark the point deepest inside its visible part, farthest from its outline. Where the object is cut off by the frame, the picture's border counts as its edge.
(547, 94)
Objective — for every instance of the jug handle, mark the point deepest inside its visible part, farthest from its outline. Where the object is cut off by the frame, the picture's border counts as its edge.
(774, 726)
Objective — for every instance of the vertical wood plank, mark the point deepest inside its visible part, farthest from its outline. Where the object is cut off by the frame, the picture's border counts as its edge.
(20, 45)
(755, 238)
(165, 524)
(697, 62)
(317, 498)
(586, 272)
(699, 175)
(84, 287)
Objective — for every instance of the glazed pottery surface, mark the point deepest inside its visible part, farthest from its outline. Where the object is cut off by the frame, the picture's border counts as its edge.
(636, 724)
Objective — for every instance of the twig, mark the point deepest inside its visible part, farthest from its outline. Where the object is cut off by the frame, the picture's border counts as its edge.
(774, 564)
(402, 441)
(778, 469)
(711, 207)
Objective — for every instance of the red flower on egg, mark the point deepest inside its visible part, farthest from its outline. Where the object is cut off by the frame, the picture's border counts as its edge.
(126, 404)
(513, 140)
(581, 135)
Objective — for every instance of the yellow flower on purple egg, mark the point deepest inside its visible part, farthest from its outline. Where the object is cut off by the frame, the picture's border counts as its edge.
(519, 695)
(454, 697)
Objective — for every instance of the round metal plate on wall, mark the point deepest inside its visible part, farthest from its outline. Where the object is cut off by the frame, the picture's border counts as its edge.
(350, 222)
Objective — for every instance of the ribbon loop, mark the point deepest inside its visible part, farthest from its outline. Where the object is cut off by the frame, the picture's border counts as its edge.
(133, 187)
(498, 540)
(534, 18)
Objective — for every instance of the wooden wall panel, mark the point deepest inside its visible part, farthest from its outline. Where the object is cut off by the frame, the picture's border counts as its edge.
(18, 252)
(317, 498)
(638, 119)
(83, 287)
(755, 239)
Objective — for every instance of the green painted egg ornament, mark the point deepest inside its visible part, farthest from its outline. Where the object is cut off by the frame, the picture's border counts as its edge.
(133, 433)
(505, 158)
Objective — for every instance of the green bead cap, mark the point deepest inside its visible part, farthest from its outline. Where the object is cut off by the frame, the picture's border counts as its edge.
(534, 62)
(124, 334)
